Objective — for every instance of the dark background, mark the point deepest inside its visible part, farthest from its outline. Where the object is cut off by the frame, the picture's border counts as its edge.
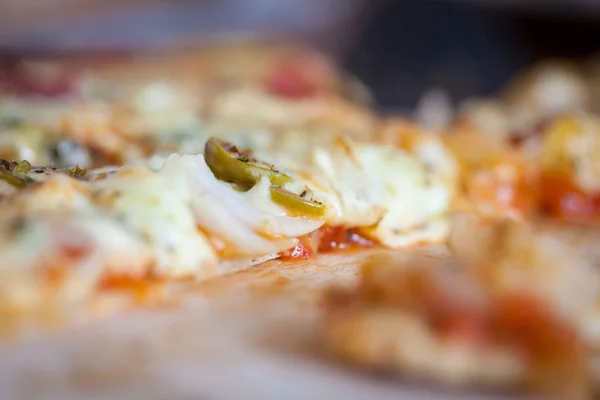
(411, 45)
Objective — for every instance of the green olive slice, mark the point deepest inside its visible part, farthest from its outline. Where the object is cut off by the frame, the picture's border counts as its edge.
(296, 203)
(12, 180)
(231, 165)
(15, 173)
(22, 168)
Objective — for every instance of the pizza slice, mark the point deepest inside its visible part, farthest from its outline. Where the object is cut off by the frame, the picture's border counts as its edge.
(69, 233)
(508, 311)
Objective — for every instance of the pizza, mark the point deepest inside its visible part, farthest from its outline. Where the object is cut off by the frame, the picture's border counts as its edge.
(75, 230)
(118, 172)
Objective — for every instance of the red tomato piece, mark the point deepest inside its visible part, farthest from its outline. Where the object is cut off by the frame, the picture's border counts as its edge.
(293, 79)
(25, 79)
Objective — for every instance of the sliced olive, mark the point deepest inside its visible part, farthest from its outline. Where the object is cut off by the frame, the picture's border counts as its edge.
(232, 165)
(296, 203)
(12, 180)
(22, 168)
(15, 173)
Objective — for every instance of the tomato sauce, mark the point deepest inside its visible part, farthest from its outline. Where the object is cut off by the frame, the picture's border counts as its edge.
(517, 320)
(326, 239)
(562, 198)
(486, 188)
(526, 323)
(339, 238)
(142, 289)
(303, 250)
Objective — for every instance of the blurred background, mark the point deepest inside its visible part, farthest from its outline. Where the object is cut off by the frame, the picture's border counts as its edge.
(399, 48)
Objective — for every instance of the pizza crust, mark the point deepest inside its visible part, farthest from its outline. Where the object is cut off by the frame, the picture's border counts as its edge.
(387, 339)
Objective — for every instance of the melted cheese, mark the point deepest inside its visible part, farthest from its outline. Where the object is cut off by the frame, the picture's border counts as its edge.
(357, 200)
(397, 198)
(135, 222)
(163, 108)
(156, 207)
(51, 232)
(412, 196)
